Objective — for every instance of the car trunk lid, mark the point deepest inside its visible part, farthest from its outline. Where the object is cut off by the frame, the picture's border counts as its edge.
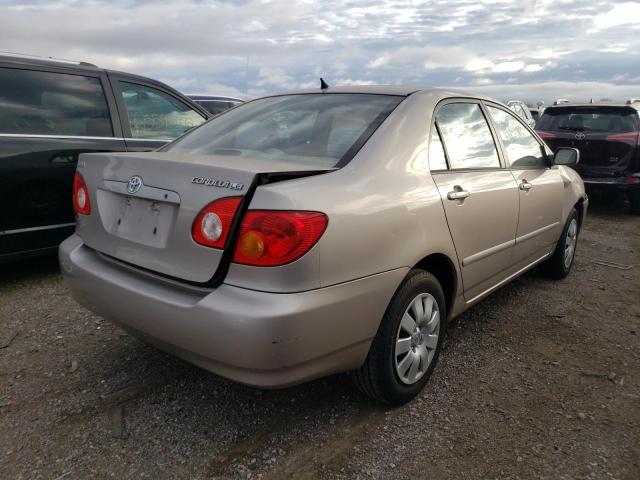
(144, 205)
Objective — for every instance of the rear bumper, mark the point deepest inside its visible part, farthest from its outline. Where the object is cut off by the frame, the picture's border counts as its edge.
(619, 184)
(263, 339)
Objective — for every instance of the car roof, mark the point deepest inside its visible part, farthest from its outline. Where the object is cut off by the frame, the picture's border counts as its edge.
(46, 61)
(404, 91)
(594, 105)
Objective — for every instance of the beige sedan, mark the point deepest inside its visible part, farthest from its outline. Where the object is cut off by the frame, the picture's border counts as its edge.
(322, 231)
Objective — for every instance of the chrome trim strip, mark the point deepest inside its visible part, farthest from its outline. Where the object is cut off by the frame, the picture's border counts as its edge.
(165, 140)
(535, 233)
(509, 278)
(73, 137)
(147, 192)
(486, 253)
(35, 229)
(85, 137)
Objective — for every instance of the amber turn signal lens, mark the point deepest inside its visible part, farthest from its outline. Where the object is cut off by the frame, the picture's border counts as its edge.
(251, 245)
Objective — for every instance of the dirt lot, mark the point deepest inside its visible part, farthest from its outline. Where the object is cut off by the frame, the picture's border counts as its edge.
(541, 380)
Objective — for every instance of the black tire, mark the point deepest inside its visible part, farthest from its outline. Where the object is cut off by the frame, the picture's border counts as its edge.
(556, 267)
(634, 200)
(378, 378)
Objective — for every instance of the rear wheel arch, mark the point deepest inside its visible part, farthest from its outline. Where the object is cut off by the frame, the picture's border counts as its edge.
(441, 267)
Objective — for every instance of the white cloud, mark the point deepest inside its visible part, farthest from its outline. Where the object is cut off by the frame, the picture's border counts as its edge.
(505, 67)
(259, 46)
(627, 13)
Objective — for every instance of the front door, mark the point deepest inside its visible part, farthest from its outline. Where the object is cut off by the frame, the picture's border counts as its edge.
(540, 187)
(480, 197)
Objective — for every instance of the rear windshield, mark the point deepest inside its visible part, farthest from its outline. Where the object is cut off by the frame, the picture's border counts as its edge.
(324, 130)
(596, 119)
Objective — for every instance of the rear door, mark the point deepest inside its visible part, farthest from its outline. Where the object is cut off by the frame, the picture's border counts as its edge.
(152, 116)
(540, 187)
(48, 116)
(479, 195)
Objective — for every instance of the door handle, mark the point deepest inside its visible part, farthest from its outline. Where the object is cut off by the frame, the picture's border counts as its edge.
(526, 186)
(458, 193)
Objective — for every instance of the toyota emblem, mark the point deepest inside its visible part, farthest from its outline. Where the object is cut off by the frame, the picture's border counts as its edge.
(580, 136)
(134, 184)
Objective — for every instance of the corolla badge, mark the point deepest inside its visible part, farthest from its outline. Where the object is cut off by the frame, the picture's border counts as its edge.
(134, 184)
(580, 136)
(212, 182)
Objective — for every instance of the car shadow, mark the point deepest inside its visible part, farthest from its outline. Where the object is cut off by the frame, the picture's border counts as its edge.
(28, 269)
(608, 205)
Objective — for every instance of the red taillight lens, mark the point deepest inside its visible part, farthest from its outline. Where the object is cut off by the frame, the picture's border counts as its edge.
(629, 137)
(546, 135)
(211, 226)
(81, 203)
(270, 238)
(632, 179)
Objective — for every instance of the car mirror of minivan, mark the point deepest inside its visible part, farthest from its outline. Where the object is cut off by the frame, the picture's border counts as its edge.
(566, 156)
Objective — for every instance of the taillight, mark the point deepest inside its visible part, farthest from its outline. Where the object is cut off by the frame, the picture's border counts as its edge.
(81, 203)
(270, 238)
(211, 226)
(546, 135)
(629, 137)
(632, 179)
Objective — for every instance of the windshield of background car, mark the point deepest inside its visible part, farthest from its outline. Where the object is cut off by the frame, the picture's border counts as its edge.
(590, 119)
(326, 130)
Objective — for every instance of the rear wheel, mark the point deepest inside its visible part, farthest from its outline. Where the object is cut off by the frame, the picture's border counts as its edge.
(634, 200)
(559, 265)
(406, 347)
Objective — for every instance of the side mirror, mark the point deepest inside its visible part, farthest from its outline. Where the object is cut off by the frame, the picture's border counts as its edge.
(566, 156)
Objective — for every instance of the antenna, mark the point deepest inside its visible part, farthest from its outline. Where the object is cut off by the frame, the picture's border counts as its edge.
(323, 85)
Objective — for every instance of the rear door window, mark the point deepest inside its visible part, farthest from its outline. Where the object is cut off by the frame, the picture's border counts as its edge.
(467, 136)
(522, 148)
(47, 103)
(437, 157)
(154, 114)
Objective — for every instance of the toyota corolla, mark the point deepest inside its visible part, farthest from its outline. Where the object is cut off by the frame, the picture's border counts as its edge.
(323, 231)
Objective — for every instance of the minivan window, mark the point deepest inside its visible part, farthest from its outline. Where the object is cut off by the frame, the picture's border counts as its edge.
(313, 129)
(155, 114)
(590, 119)
(46, 103)
(466, 134)
(523, 150)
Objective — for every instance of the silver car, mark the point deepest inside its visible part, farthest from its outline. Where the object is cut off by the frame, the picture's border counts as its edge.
(306, 234)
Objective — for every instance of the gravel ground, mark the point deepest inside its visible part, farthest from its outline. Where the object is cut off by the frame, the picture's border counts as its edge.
(541, 380)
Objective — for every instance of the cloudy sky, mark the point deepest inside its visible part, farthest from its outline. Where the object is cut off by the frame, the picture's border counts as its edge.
(532, 50)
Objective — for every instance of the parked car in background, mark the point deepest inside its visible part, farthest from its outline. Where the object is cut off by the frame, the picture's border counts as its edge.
(50, 112)
(522, 110)
(535, 114)
(246, 248)
(215, 104)
(607, 135)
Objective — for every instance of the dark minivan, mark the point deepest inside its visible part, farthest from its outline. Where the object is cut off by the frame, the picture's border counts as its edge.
(50, 112)
(607, 136)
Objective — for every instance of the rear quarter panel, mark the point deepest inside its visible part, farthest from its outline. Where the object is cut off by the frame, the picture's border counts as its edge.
(384, 209)
(573, 193)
